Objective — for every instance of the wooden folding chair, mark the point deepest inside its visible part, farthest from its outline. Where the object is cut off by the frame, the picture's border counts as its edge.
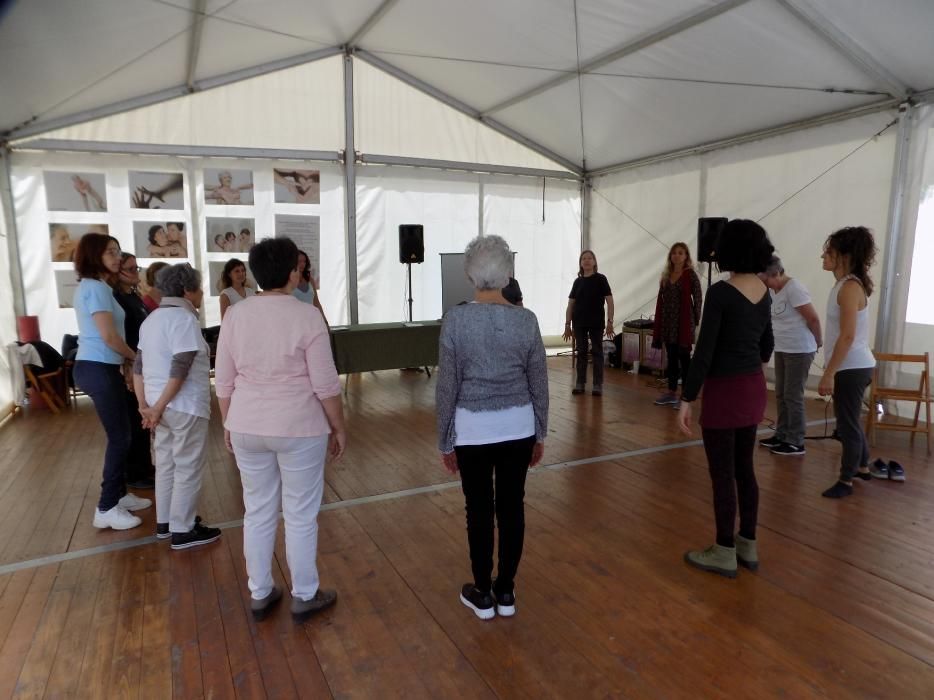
(918, 396)
(47, 386)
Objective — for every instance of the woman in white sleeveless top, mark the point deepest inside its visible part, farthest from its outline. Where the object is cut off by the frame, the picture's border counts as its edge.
(233, 285)
(848, 254)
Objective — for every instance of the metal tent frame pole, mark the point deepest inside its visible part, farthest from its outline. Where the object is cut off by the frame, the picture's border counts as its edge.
(883, 342)
(350, 191)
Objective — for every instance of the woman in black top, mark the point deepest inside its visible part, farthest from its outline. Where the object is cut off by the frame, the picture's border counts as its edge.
(585, 311)
(140, 472)
(735, 340)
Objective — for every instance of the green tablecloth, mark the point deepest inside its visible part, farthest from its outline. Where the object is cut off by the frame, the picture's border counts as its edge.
(375, 346)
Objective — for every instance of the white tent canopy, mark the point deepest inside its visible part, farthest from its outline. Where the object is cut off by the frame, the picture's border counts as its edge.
(604, 92)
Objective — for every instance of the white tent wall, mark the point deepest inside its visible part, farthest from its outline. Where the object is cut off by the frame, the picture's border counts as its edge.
(294, 108)
(33, 221)
(542, 224)
(747, 181)
(636, 215)
(444, 203)
(448, 205)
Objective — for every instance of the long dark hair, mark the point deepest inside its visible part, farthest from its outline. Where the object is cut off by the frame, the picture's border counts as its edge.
(231, 265)
(306, 270)
(857, 243)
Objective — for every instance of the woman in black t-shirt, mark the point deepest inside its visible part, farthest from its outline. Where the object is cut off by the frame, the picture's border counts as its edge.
(585, 315)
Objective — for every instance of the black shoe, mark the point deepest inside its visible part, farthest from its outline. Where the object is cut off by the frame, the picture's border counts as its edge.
(144, 484)
(786, 449)
(577, 390)
(505, 604)
(480, 602)
(838, 490)
(162, 529)
(896, 471)
(863, 476)
(303, 609)
(197, 536)
(262, 607)
(770, 443)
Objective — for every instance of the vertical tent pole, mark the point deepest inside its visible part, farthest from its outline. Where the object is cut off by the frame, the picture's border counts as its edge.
(350, 190)
(893, 241)
(12, 238)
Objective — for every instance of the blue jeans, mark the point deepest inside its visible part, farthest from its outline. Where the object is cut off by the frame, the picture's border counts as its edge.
(104, 384)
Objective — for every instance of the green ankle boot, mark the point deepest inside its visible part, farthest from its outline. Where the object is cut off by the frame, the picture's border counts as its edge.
(716, 559)
(746, 553)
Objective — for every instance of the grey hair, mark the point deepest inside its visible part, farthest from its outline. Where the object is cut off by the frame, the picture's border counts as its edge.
(774, 267)
(175, 280)
(488, 262)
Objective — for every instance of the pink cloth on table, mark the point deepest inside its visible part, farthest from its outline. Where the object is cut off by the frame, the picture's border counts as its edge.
(274, 362)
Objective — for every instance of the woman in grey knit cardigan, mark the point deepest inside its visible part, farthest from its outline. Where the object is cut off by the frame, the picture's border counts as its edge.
(492, 406)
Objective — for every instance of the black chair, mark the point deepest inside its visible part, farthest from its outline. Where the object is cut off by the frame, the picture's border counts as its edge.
(69, 353)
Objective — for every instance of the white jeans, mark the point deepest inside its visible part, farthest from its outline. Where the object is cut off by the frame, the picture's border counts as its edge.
(180, 449)
(290, 472)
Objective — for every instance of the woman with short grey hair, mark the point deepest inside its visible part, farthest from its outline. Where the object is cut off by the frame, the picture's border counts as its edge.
(797, 331)
(492, 407)
(170, 378)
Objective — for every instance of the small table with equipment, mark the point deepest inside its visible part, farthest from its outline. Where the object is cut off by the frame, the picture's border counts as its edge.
(374, 346)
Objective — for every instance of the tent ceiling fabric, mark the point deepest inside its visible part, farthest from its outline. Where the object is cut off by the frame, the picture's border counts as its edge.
(693, 71)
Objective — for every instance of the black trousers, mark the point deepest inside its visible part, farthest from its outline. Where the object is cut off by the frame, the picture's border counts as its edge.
(508, 463)
(139, 464)
(581, 336)
(679, 361)
(729, 457)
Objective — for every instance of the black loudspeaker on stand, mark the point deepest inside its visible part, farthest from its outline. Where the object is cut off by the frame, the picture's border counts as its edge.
(411, 250)
(708, 235)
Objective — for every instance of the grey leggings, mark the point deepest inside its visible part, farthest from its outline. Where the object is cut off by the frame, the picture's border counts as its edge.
(849, 386)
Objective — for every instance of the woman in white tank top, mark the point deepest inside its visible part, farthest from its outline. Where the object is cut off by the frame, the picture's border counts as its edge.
(233, 285)
(848, 254)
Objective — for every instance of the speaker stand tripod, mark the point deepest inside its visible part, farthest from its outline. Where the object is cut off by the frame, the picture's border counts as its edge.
(413, 369)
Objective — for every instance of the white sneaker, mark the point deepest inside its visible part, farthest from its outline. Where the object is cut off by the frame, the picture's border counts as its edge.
(133, 502)
(117, 518)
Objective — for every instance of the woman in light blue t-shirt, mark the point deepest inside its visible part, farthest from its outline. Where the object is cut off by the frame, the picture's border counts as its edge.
(102, 351)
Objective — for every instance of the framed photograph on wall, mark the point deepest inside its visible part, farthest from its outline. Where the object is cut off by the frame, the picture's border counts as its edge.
(72, 191)
(305, 232)
(155, 239)
(63, 239)
(297, 186)
(229, 235)
(228, 186)
(66, 282)
(156, 190)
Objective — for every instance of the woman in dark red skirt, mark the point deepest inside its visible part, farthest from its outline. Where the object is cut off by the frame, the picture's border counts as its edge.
(735, 340)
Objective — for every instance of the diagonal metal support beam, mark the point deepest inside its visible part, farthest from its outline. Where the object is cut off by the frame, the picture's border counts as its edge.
(371, 22)
(40, 127)
(674, 27)
(748, 137)
(194, 46)
(464, 108)
(852, 51)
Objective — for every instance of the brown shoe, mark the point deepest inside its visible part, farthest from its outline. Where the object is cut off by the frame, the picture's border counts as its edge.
(304, 609)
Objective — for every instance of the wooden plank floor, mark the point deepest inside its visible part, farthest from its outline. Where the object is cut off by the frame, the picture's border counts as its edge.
(842, 606)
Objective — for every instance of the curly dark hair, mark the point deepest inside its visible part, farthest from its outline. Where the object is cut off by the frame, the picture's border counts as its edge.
(744, 246)
(859, 247)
